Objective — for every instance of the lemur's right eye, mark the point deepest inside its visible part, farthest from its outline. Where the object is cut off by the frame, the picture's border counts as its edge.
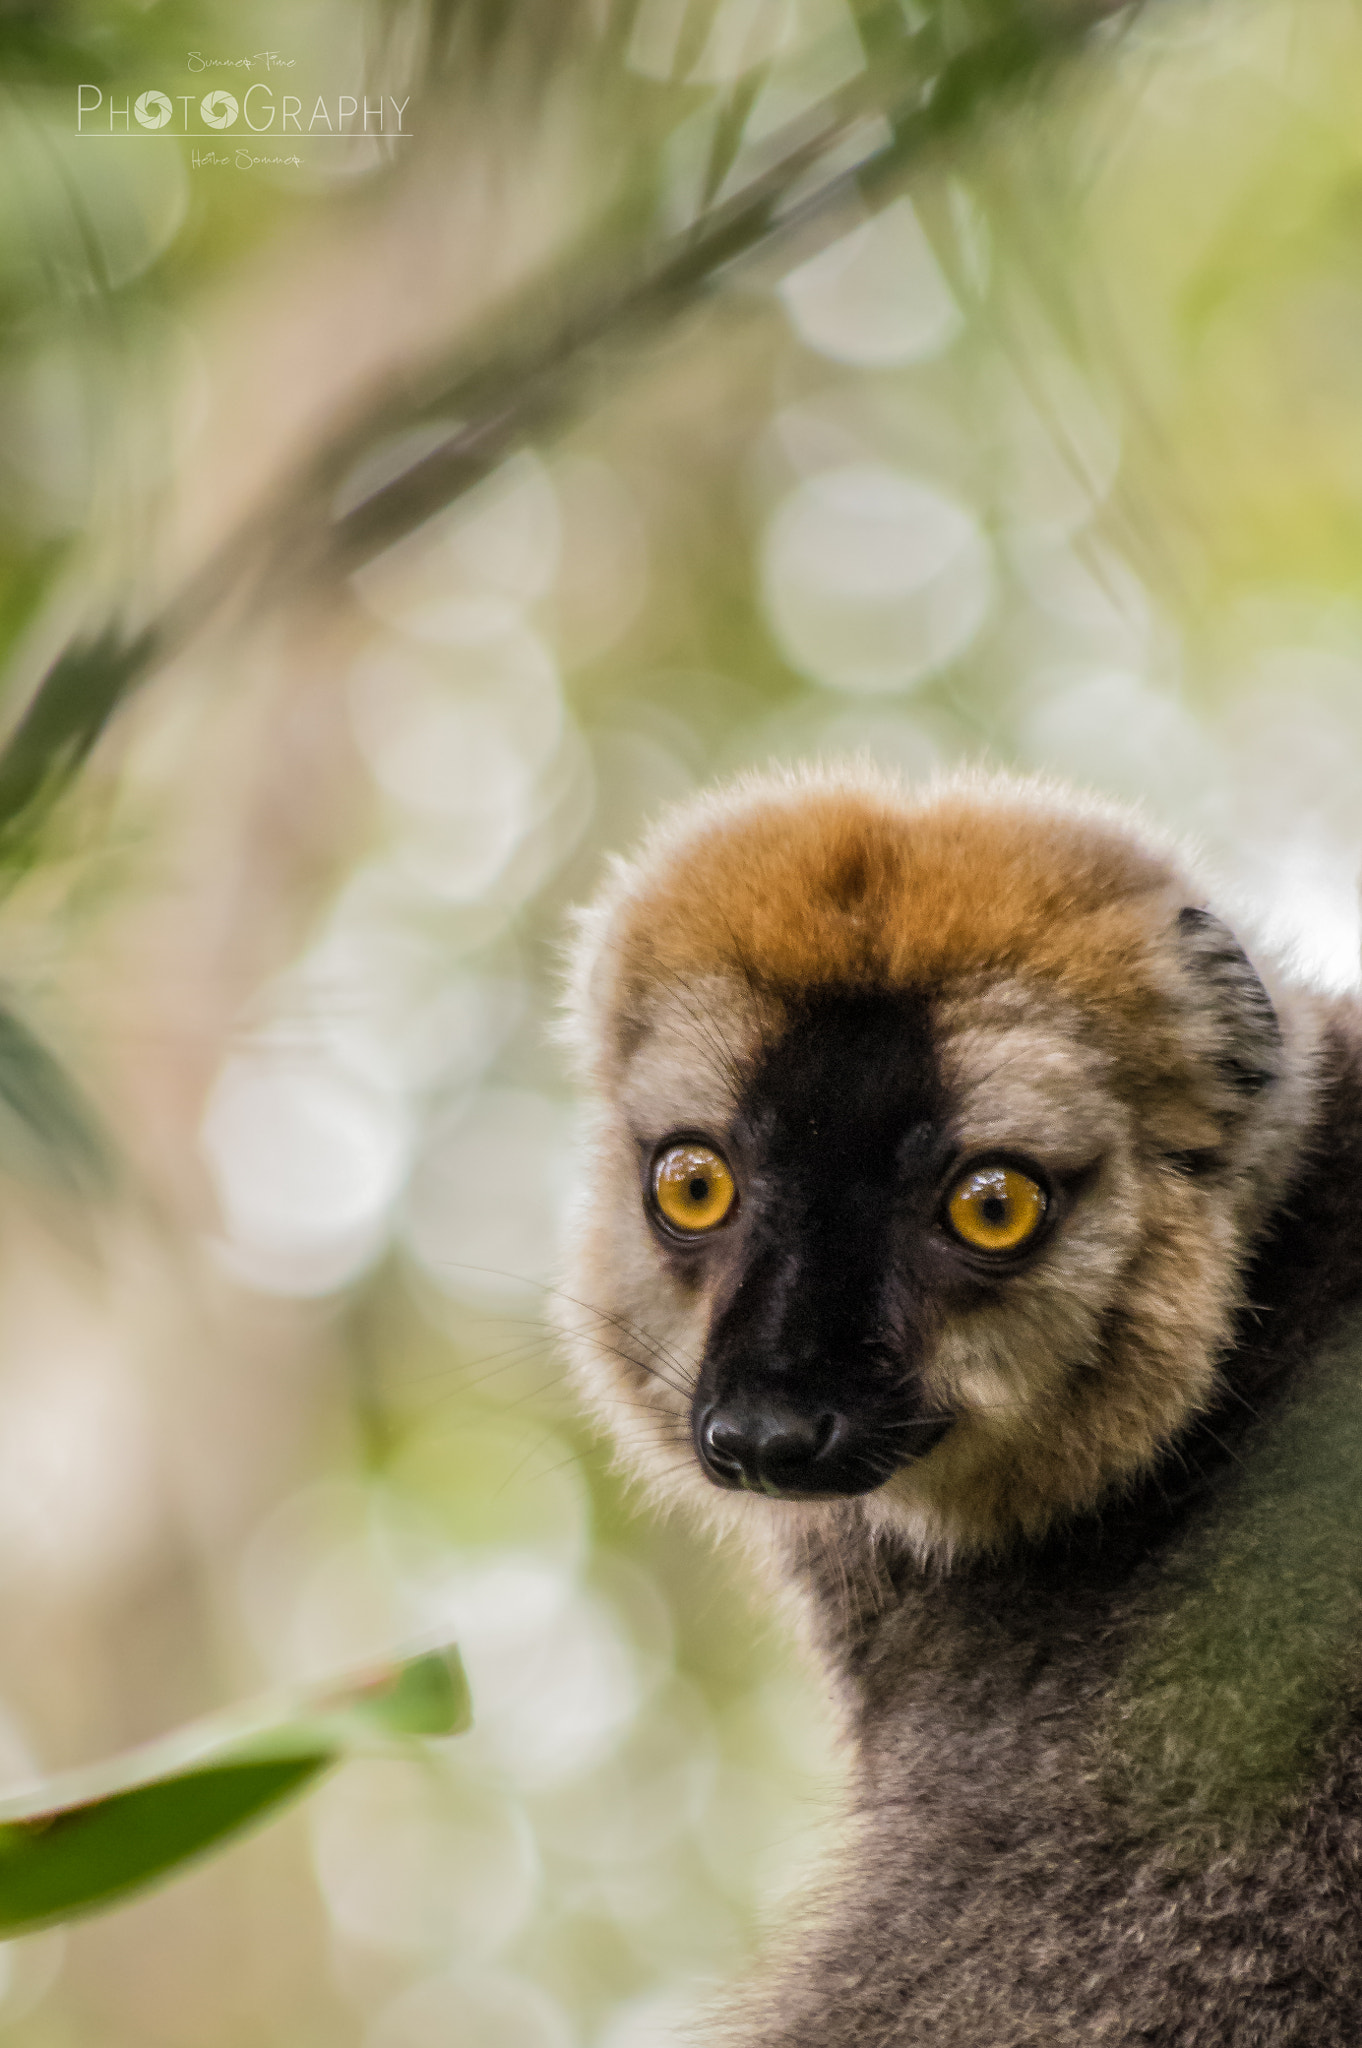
(693, 1189)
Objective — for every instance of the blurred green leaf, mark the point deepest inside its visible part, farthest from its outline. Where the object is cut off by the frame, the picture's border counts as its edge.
(65, 718)
(87, 1841)
(48, 43)
(25, 580)
(474, 47)
(83, 1857)
(48, 1130)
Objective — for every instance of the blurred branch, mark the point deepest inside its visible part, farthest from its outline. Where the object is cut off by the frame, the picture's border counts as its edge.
(531, 366)
(524, 375)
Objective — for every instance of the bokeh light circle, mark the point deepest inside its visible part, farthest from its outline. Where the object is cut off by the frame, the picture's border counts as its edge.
(875, 297)
(873, 580)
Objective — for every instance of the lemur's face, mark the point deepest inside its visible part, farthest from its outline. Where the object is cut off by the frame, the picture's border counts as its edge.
(923, 1150)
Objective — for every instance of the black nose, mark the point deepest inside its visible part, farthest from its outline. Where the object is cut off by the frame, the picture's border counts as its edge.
(769, 1447)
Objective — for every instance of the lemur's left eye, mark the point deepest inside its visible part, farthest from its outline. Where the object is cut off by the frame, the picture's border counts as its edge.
(996, 1208)
(692, 1187)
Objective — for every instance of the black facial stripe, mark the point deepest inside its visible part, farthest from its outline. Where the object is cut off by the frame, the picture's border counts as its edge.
(840, 1128)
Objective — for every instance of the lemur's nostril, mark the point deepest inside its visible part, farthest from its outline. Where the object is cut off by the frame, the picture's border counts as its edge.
(827, 1430)
(720, 1446)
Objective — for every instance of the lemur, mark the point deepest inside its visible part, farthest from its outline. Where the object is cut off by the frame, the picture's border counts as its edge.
(968, 1234)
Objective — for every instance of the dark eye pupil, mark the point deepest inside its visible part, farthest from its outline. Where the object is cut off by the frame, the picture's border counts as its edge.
(698, 1188)
(994, 1208)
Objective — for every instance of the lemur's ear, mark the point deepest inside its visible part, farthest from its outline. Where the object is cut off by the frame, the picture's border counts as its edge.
(1247, 1036)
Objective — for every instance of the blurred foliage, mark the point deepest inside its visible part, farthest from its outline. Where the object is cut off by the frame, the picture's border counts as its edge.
(384, 537)
(74, 1848)
(47, 1129)
(524, 374)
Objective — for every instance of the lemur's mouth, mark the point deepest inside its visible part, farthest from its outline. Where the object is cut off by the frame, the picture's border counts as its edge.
(761, 1443)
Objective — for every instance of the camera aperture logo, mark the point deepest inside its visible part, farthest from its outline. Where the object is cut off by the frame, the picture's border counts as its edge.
(262, 109)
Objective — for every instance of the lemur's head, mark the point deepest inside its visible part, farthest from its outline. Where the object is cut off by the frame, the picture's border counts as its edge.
(929, 1138)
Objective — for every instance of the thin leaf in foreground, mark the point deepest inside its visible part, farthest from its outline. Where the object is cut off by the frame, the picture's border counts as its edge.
(86, 1841)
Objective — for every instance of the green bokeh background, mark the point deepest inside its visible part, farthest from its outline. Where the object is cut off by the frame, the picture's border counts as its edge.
(1037, 442)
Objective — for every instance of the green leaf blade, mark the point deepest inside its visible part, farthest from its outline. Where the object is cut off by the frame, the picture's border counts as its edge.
(78, 1845)
(428, 1696)
(97, 1854)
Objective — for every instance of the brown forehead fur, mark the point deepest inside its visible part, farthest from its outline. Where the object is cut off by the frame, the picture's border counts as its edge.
(810, 884)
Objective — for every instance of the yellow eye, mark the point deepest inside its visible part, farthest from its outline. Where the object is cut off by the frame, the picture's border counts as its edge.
(692, 1187)
(996, 1208)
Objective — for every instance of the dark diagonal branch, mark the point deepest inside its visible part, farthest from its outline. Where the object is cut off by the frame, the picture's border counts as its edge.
(531, 368)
